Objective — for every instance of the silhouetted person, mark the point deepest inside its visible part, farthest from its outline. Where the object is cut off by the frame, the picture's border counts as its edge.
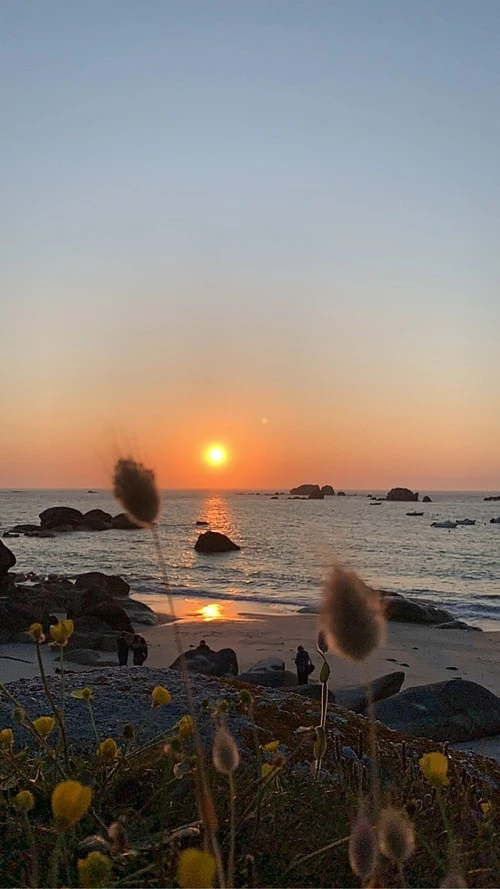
(303, 664)
(139, 648)
(122, 649)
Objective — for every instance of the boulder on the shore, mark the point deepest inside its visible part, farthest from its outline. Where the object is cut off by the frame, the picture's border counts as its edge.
(402, 494)
(269, 678)
(215, 542)
(457, 625)
(328, 491)
(139, 613)
(87, 657)
(94, 603)
(267, 665)
(305, 490)
(397, 608)
(204, 659)
(7, 561)
(456, 710)
(110, 584)
(60, 517)
(355, 697)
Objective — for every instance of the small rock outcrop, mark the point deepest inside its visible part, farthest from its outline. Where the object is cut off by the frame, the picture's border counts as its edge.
(402, 494)
(215, 542)
(328, 491)
(453, 711)
(305, 490)
(426, 499)
(212, 663)
(110, 584)
(270, 678)
(7, 561)
(341, 494)
(355, 697)
(267, 665)
(316, 495)
(121, 522)
(397, 608)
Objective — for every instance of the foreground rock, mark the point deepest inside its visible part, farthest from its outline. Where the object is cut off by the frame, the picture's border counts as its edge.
(402, 494)
(204, 659)
(453, 711)
(355, 697)
(7, 561)
(215, 542)
(270, 678)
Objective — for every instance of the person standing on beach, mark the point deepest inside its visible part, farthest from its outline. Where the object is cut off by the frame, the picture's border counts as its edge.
(139, 648)
(123, 648)
(303, 663)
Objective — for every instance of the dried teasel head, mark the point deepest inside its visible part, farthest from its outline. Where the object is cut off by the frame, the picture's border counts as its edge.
(352, 616)
(225, 753)
(135, 488)
(396, 835)
(363, 848)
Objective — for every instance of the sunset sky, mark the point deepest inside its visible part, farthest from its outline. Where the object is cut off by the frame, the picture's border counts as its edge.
(267, 226)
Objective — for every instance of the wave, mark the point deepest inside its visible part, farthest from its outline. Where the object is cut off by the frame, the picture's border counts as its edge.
(200, 593)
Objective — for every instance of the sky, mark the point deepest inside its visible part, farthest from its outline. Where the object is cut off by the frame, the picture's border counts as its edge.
(271, 226)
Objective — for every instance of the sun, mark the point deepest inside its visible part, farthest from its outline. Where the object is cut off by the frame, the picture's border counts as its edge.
(216, 455)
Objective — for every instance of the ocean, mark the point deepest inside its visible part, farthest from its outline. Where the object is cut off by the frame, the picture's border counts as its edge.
(287, 547)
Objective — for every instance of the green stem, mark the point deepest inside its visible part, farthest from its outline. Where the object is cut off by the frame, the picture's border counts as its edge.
(232, 840)
(62, 681)
(53, 875)
(92, 721)
(55, 710)
(34, 872)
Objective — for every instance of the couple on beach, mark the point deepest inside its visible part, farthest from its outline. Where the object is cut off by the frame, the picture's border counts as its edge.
(136, 644)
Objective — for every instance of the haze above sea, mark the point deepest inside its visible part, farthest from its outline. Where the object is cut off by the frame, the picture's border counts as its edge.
(287, 547)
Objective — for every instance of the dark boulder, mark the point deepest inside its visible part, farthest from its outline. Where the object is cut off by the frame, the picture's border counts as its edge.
(139, 613)
(95, 603)
(316, 495)
(7, 561)
(398, 608)
(340, 493)
(214, 542)
(57, 516)
(493, 497)
(97, 520)
(426, 499)
(267, 665)
(212, 663)
(313, 692)
(121, 522)
(270, 678)
(110, 584)
(328, 491)
(401, 494)
(355, 697)
(305, 490)
(201, 522)
(456, 710)
(24, 529)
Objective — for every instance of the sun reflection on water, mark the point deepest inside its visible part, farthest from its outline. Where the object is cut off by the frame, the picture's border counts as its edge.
(213, 611)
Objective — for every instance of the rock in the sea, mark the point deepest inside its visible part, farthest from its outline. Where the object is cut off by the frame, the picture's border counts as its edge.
(401, 494)
(213, 663)
(398, 608)
(493, 497)
(495, 521)
(316, 495)
(305, 490)
(214, 542)
(453, 711)
(341, 494)
(121, 522)
(267, 665)
(24, 529)
(60, 516)
(97, 520)
(426, 499)
(355, 698)
(328, 491)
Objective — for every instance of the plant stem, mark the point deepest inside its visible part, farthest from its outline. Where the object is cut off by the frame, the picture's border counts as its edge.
(55, 710)
(92, 720)
(53, 875)
(232, 840)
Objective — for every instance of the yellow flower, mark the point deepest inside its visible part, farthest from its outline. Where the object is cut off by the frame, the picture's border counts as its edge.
(108, 750)
(61, 632)
(266, 770)
(36, 632)
(44, 725)
(83, 694)
(185, 726)
(486, 808)
(271, 747)
(434, 767)
(70, 802)
(7, 738)
(196, 869)
(160, 696)
(24, 801)
(94, 871)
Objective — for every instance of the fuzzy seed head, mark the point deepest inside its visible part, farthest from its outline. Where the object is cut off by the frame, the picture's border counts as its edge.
(225, 753)
(352, 617)
(453, 880)
(322, 641)
(363, 848)
(135, 488)
(396, 835)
